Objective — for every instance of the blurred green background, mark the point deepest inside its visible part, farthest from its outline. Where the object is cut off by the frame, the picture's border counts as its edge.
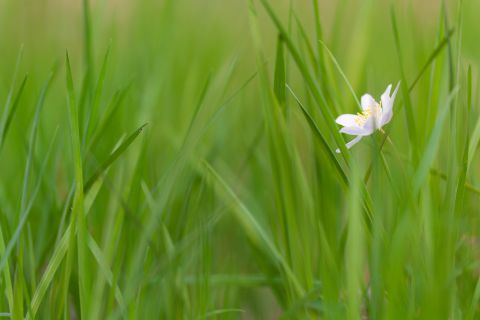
(231, 202)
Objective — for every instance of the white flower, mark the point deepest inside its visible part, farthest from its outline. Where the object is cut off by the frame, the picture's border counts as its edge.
(374, 116)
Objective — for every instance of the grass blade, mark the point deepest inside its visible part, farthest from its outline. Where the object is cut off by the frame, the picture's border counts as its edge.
(431, 58)
(6, 110)
(114, 156)
(279, 77)
(104, 267)
(77, 215)
(429, 154)
(11, 112)
(93, 115)
(319, 135)
(406, 96)
(337, 65)
(318, 95)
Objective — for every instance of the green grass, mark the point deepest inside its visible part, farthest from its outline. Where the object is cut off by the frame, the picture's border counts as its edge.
(176, 160)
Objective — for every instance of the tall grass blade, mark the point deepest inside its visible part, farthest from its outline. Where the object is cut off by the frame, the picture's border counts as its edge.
(11, 112)
(406, 96)
(424, 166)
(280, 77)
(114, 156)
(77, 215)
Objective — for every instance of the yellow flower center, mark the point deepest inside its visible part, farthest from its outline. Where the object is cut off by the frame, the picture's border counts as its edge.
(363, 116)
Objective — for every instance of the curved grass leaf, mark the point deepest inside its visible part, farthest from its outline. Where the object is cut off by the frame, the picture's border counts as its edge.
(320, 137)
(337, 65)
(11, 112)
(114, 156)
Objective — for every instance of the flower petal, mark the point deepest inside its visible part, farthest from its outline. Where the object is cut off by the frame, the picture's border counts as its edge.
(347, 120)
(369, 126)
(354, 131)
(386, 94)
(387, 104)
(351, 143)
(368, 101)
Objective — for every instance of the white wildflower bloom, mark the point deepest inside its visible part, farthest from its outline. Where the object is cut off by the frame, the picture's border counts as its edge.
(374, 116)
